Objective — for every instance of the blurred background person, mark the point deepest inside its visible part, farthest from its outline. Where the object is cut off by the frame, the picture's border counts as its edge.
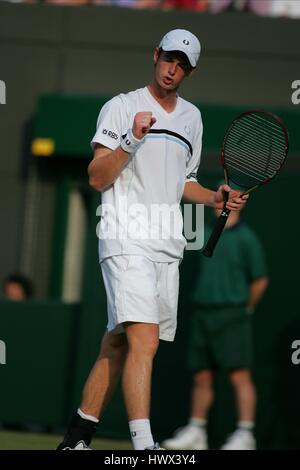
(227, 289)
(139, 4)
(287, 8)
(17, 287)
(198, 5)
(217, 6)
(68, 2)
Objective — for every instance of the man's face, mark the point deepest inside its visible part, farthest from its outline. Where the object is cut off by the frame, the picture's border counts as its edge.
(170, 69)
(14, 291)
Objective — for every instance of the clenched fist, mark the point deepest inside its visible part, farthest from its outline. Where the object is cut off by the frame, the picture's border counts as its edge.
(142, 123)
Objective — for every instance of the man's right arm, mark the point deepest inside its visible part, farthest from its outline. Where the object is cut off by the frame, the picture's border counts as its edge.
(106, 166)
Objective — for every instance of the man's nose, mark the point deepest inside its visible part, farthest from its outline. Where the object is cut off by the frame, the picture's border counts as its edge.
(172, 68)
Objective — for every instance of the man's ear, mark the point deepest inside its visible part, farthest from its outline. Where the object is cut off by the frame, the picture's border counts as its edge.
(191, 71)
(155, 55)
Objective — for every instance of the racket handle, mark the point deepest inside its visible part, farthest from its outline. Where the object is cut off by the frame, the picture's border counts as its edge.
(216, 233)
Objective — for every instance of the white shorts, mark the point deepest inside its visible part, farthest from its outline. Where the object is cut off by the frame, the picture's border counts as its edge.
(141, 290)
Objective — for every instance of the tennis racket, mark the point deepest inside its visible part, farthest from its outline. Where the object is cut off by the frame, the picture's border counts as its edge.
(254, 149)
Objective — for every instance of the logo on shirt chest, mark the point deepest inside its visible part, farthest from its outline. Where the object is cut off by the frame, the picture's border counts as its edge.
(187, 130)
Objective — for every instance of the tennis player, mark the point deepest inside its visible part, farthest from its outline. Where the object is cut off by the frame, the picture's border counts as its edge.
(147, 151)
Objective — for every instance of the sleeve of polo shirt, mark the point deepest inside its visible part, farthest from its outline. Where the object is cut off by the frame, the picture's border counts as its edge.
(110, 124)
(194, 161)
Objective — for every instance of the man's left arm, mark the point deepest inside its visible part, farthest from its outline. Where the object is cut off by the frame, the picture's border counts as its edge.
(196, 193)
(256, 291)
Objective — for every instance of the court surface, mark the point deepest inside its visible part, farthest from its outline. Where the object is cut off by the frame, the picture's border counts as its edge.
(10, 440)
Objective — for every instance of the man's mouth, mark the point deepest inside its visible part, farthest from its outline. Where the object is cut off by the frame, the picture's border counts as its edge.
(167, 80)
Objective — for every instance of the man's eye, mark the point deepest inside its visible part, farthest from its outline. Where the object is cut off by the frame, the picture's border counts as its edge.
(184, 67)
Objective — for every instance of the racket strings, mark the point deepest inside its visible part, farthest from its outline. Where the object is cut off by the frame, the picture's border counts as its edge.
(237, 164)
(275, 135)
(263, 118)
(252, 161)
(254, 149)
(266, 138)
(265, 135)
(249, 158)
(261, 169)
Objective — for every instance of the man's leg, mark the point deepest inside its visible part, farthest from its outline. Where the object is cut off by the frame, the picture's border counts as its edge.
(143, 340)
(245, 394)
(104, 375)
(97, 390)
(202, 394)
(243, 438)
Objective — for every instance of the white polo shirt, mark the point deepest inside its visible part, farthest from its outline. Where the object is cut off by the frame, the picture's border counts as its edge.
(140, 213)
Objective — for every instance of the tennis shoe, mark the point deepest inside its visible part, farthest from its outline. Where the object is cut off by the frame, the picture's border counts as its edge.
(187, 438)
(241, 439)
(81, 445)
(156, 446)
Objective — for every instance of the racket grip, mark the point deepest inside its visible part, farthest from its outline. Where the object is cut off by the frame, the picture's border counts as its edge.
(216, 233)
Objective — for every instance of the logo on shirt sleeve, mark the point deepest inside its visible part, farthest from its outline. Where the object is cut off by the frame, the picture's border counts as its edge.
(111, 134)
(192, 175)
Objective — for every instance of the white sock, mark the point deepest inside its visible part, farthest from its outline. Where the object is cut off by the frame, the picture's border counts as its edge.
(140, 432)
(246, 425)
(88, 417)
(197, 422)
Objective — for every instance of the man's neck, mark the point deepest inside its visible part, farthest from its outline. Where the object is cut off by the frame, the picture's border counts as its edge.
(167, 99)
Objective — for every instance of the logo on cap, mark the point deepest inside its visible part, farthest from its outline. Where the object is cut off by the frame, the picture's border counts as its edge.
(186, 42)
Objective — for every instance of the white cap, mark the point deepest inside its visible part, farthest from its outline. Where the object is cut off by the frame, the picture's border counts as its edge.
(184, 41)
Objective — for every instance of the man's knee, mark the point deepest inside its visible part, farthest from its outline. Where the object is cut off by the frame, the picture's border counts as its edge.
(114, 346)
(144, 346)
(240, 377)
(203, 378)
(143, 338)
(150, 346)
